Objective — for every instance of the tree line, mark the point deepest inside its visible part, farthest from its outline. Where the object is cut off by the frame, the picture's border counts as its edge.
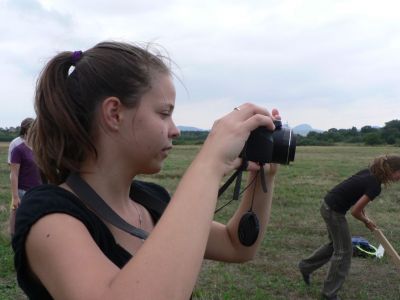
(367, 135)
(7, 134)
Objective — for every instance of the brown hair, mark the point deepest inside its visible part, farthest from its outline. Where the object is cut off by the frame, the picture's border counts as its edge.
(384, 166)
(66, 102)
(25, 125)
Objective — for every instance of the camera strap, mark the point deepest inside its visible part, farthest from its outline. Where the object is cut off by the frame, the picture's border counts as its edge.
(249, 226)
(238, 176)
(93, 200)
(262, 178)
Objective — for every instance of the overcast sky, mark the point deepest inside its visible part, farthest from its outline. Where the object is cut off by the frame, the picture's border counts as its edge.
(330, 64)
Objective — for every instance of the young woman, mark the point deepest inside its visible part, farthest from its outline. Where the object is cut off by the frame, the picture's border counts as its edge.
(24, 173)
(353, 193)
(23, 131)
(106, 115)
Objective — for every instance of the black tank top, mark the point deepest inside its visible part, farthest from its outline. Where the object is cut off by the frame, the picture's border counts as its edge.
(47, 199)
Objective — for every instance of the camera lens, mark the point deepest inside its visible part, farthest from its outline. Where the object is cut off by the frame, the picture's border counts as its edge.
(284, 146)
(265, 146)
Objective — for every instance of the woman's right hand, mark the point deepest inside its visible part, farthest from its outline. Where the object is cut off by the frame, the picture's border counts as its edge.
(15, 201)
(229, 134)
(370, 225)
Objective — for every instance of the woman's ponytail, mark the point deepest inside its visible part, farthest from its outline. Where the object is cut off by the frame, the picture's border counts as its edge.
(384, 166)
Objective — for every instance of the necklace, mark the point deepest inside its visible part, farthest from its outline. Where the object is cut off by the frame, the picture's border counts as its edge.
(138, 209)
(139, 214)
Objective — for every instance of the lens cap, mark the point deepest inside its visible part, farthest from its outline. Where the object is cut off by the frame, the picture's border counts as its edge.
(249, 228)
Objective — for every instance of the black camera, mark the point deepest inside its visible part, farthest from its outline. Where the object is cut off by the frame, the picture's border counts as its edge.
(266, 146)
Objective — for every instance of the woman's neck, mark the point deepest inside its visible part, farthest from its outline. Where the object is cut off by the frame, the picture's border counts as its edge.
(110, 182)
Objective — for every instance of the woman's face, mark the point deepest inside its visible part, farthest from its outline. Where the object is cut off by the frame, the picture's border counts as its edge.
(396, 176)
(153, 128)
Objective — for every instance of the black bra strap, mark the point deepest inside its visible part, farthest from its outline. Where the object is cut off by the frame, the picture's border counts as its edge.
(89, 196)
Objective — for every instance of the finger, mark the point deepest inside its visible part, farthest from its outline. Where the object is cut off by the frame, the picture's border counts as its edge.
(273, 169)
(252, 166)
(246, 110)
(237, 163)
(258, 120)
(275, 114)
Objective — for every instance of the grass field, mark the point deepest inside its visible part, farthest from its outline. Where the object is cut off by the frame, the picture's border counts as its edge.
(295, 230)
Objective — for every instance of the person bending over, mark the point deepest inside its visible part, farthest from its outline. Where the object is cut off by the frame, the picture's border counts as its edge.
(354, 194)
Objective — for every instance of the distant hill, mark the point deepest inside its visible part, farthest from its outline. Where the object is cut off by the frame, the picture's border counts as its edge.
(304, 129)
(189, 128)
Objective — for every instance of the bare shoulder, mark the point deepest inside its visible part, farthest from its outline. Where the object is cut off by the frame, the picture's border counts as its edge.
(58, 248)
(52, 230)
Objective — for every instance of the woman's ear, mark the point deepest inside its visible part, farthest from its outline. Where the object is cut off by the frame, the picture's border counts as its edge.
(111, 109)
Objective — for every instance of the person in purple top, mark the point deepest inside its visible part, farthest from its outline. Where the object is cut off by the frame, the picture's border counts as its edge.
(24, 173)
(25, 125)
(352, 194)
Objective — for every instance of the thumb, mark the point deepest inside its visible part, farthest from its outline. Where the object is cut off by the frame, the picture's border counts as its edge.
(275, 114)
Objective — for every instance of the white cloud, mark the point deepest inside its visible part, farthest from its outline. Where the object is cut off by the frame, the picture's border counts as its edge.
(327, 63)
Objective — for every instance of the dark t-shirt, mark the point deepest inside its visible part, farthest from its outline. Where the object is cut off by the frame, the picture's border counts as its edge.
(347, 193)
(29, 174)
(47, 199)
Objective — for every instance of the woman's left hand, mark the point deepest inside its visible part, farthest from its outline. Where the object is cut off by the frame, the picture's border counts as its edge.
(270, 169)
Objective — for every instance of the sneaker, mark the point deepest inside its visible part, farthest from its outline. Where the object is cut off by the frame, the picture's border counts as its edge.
(324, 297)
(306, 277)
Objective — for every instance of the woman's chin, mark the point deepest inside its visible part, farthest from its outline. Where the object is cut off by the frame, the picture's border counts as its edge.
(154, 169)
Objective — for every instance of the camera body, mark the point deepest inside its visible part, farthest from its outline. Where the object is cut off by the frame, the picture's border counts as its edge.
(266, 146)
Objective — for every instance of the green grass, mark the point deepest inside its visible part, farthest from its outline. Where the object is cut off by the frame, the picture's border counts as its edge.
(295, 230)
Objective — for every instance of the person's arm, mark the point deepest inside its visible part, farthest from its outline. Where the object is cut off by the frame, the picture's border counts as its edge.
(14, 172)
(224, 243)
(10, 148)
(62, 254)
(358, 212)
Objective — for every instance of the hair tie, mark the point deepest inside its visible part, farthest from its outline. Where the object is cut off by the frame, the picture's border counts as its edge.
(75, 57)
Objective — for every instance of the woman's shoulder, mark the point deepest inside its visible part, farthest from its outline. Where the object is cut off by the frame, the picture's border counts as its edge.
(50, 199)
(47, 199)
(366, 174)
